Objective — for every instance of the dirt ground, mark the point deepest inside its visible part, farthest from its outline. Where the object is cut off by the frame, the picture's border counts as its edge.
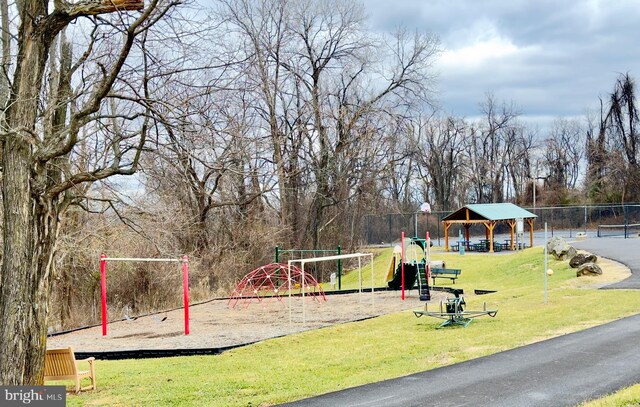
(214, 324)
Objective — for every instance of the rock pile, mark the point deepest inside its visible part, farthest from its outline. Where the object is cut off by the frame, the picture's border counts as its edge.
(586, 264)
(580, 259)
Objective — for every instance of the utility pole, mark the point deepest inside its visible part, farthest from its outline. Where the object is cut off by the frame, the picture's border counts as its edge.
(535, 184)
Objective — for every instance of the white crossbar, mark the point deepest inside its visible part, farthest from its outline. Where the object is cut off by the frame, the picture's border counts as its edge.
(335, 257)
(140, 259)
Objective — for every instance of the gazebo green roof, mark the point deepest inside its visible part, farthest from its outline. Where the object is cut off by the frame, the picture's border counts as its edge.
(492, 212)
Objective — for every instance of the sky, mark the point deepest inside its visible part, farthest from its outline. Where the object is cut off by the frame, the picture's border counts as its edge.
(550, 58)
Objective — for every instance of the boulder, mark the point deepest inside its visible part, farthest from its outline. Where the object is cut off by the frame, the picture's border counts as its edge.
(560, 249)
(577, 260)
(552, 242)
(591, 258)
(589, 269)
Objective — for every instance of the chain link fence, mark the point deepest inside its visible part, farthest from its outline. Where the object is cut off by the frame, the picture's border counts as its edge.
(564, 221)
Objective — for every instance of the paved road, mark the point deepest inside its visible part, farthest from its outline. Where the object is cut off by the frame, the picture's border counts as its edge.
(625, 251)
(562, 371)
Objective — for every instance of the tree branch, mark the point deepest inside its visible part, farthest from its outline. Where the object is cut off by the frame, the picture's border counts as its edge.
(66, 12)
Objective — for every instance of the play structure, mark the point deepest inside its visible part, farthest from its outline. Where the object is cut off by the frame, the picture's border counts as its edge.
(358, 256)
(283, 255)
(103, 284)
(411, 266)
(275, 280)
(453, 311)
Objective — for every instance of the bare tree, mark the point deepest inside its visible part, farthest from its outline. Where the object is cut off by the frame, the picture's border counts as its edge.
(487, 148)
(395, 184)
(334, 40)
(38, 179)
(562, 158)
(612, 154)
(260, 29)
(441, 154)
(322, 95)
(519, 144)
(623, 124)
(596, 154)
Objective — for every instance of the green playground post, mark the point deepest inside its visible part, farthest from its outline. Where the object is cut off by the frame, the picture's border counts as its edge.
(339, 269)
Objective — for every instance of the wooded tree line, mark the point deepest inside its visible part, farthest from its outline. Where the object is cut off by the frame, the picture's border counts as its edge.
(247, 125)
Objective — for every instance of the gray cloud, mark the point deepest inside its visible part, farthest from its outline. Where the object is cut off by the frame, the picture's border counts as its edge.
(551, 58)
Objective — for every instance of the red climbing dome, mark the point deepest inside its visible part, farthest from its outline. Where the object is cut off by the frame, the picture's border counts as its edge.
(270, 281)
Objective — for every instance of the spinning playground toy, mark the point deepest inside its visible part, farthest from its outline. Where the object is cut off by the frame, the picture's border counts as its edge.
(453, 313)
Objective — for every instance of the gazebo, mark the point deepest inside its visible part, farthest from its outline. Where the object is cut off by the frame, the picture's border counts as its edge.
(488, 215)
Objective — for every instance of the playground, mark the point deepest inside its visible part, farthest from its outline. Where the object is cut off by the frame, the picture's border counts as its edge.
(271, 301)
(341, 355)
(262, 305)
(215, 325)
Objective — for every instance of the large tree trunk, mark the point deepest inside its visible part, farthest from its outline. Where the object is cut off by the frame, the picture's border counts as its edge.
(22, 338)
(31, 216)
(27, 234)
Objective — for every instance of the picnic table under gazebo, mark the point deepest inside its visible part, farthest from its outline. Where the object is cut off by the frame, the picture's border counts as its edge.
(489, 215)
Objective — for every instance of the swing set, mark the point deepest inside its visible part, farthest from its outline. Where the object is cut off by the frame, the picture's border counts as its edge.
(103, 284)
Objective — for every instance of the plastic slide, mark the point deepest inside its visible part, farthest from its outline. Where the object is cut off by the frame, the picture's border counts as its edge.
(391, 269)
(410, 273)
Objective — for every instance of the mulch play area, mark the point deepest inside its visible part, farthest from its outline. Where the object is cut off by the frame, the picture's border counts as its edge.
(214, 325)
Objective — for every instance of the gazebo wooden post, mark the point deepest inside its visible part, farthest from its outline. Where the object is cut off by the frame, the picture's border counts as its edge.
(512, 225)
(489, 227)
(447, 226)
(530, 222)
(466, 233)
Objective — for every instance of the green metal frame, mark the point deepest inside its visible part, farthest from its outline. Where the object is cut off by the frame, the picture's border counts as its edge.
(456, 317)
(455, 313)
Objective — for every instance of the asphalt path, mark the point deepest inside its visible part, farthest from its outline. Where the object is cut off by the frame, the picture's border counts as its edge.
(562, 371)
(625, 251)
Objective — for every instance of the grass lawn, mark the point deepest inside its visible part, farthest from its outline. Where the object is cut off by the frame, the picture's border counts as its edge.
(624, 398)
(393, 345)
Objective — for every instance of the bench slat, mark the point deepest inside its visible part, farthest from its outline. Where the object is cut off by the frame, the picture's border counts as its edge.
(445, 271)
(451, 274)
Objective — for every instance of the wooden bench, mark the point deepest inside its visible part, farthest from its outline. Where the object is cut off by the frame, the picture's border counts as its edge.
(451, 274)
(61, 364)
